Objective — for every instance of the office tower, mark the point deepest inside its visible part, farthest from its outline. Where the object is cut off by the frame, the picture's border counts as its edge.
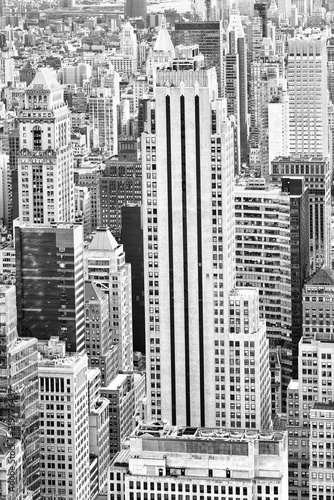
(317, 174)
(321, 444)
(236, 84)
(187, 279)
(49, 282)
(45, 163)
(120, 393)
(98, 408)
(255, 38)
(128, 41)
(75, 74)
(89, 175)
(246, 8)
(176, 273)
(105, 266)
(210, 38)
(248, 345)
(132, 239)
(121, 184)
(300, 256)
(101, 352)
(5, 189)
(14, 148)
(260, 7)
(284, 8)
(19, 411)
(136, 8)
(318, 295)
(308, 95)
(278, 124)
(64, 406)
(263, 260)
(203, 462)
(82, 209)
(265, 82)
(314, 385)
(294, 16)
(103, 111)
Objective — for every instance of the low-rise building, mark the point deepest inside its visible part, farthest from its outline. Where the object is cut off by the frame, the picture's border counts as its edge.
(202, 463)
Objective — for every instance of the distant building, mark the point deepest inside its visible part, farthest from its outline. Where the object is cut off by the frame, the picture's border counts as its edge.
(102, 352)
(136, 8)
(316, 171)
(121, 184)
(209, 37)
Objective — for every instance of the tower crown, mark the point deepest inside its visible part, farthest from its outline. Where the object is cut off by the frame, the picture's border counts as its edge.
(44, 92)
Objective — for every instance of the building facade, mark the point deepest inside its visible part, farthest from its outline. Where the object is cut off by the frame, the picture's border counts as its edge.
(50, 282)
(45, 163)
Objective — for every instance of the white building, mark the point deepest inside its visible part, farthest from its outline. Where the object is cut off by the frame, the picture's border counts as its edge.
(45, 162)
(103, 111)
(308, 94)
(64, 427)
(189, 251)
(191, 462)
(105, 266)
(321, 445)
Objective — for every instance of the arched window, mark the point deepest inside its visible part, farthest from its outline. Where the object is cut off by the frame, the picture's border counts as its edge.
(37, 137)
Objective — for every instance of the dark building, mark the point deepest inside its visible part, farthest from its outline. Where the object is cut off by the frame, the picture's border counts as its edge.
(317, 174)
(132, 239)
(121, 184)
(136, 8)
(49, 282)
(300, 256)
(261, 8)
(210, 39)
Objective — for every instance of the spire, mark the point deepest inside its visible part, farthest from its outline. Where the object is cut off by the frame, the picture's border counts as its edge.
(163, 42)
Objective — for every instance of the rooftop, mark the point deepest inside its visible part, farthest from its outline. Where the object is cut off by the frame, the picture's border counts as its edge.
(45, 79)
(103, 240)
(324, 276)
(158, 429)
(323, 406)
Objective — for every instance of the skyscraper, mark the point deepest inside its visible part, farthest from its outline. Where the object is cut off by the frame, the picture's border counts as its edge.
(105, 266)
(236, 84)
(308, 95)
(45, 163)
(64, 378)
(188, 223)
(209, 35)
(19, 407)
(49, 282)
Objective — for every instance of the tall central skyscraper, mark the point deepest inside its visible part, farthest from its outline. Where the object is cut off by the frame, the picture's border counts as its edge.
(188, 164)
(45, 162)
